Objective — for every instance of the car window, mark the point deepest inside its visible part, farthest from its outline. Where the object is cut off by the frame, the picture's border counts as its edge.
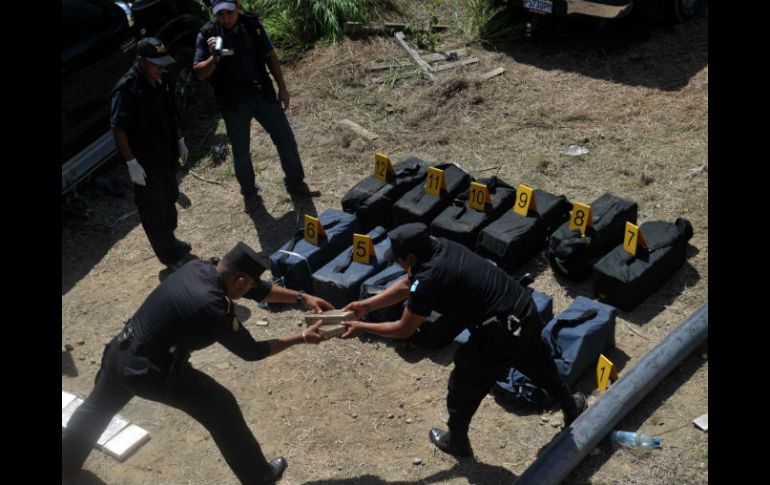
(82, 19)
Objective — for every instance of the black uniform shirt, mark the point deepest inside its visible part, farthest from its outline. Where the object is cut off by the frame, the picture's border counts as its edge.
(124, 104)
(191, 310)
(459, 283)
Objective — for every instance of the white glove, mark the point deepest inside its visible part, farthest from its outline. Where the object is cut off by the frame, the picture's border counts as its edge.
(136, 172)
(183, 152)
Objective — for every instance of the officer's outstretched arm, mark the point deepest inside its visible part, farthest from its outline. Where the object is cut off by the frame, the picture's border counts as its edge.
(403, 328)
(395, 293)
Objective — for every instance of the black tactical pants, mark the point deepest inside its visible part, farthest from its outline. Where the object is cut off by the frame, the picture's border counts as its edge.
(485, 359)
(157, 212)
(124, 375)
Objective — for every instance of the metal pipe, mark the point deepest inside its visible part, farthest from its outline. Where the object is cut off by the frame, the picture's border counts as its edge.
(575, 442)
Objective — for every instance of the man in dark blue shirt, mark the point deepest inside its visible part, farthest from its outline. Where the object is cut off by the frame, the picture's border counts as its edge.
(238, 73)
(189, 311)
(503, 320)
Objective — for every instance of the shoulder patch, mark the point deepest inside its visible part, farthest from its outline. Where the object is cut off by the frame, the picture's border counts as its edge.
(414, 286)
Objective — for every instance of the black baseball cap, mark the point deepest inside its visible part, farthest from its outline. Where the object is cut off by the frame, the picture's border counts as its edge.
(412, 238)
(245, 259)
(154, 51)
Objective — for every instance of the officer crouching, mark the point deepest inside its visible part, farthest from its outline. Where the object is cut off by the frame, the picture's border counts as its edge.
(470, 292)
(149, 358)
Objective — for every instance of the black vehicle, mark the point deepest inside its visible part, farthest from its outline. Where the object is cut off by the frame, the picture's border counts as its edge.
(677, 10)
(99, 40)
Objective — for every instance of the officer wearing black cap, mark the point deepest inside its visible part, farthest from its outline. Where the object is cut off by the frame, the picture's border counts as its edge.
(189, 311)
(145, 125)
(503, 320)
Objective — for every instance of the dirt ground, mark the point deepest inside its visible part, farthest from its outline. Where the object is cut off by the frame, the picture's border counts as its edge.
(358, 412)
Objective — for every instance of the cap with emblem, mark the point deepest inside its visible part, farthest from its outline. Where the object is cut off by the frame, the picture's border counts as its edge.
(154, 51)
(412, 238)
(245, 259)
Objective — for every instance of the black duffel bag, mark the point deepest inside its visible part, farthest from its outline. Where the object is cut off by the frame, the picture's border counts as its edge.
(512, 239)
(372, 199)
(419, 206)
(462, 224)
(624, 280)
(573, 255)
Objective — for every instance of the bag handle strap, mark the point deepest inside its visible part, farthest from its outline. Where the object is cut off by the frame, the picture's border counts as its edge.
(588, 314)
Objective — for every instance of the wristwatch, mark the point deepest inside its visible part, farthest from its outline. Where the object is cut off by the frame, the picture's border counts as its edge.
(300, 296)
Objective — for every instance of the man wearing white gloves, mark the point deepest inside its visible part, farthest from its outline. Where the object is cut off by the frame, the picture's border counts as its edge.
(145, 124)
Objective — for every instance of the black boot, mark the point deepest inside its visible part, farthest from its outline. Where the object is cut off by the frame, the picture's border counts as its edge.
(576, 405)
(277, 467)
(455, 446)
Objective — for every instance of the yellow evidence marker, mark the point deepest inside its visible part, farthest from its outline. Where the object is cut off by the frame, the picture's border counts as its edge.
(479, 196)
(525, 200)
(313, 229)
(605, 371)
(382, 166)
(435, 181)
(363, 249)
(580, 218)
(633, 238)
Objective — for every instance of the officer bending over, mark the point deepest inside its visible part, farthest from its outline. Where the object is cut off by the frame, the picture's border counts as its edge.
(500, 314)
(189, 311)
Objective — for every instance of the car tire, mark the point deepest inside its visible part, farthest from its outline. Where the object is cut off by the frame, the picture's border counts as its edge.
(180, 75)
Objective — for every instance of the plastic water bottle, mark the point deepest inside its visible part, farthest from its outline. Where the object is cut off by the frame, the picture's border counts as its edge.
(629, 438)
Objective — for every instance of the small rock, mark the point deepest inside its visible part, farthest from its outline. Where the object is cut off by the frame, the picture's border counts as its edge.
(391, 416)
(149, 468)
(408, 420)
(416, 461)
(428, 399)
(376, 346)
(269, 392)
(69, 348)
(417, 378)
(93, 361)
(81, 342)
(502, 445)
(545, 419)
(354, 415)
(81, 358)
(555, 424)
(339, 467)
(262, 322)
(541, 423)
(401, 404)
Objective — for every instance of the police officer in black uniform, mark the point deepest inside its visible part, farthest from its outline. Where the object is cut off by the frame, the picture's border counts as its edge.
(500, 313)
(145, 125)
(189, 311)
